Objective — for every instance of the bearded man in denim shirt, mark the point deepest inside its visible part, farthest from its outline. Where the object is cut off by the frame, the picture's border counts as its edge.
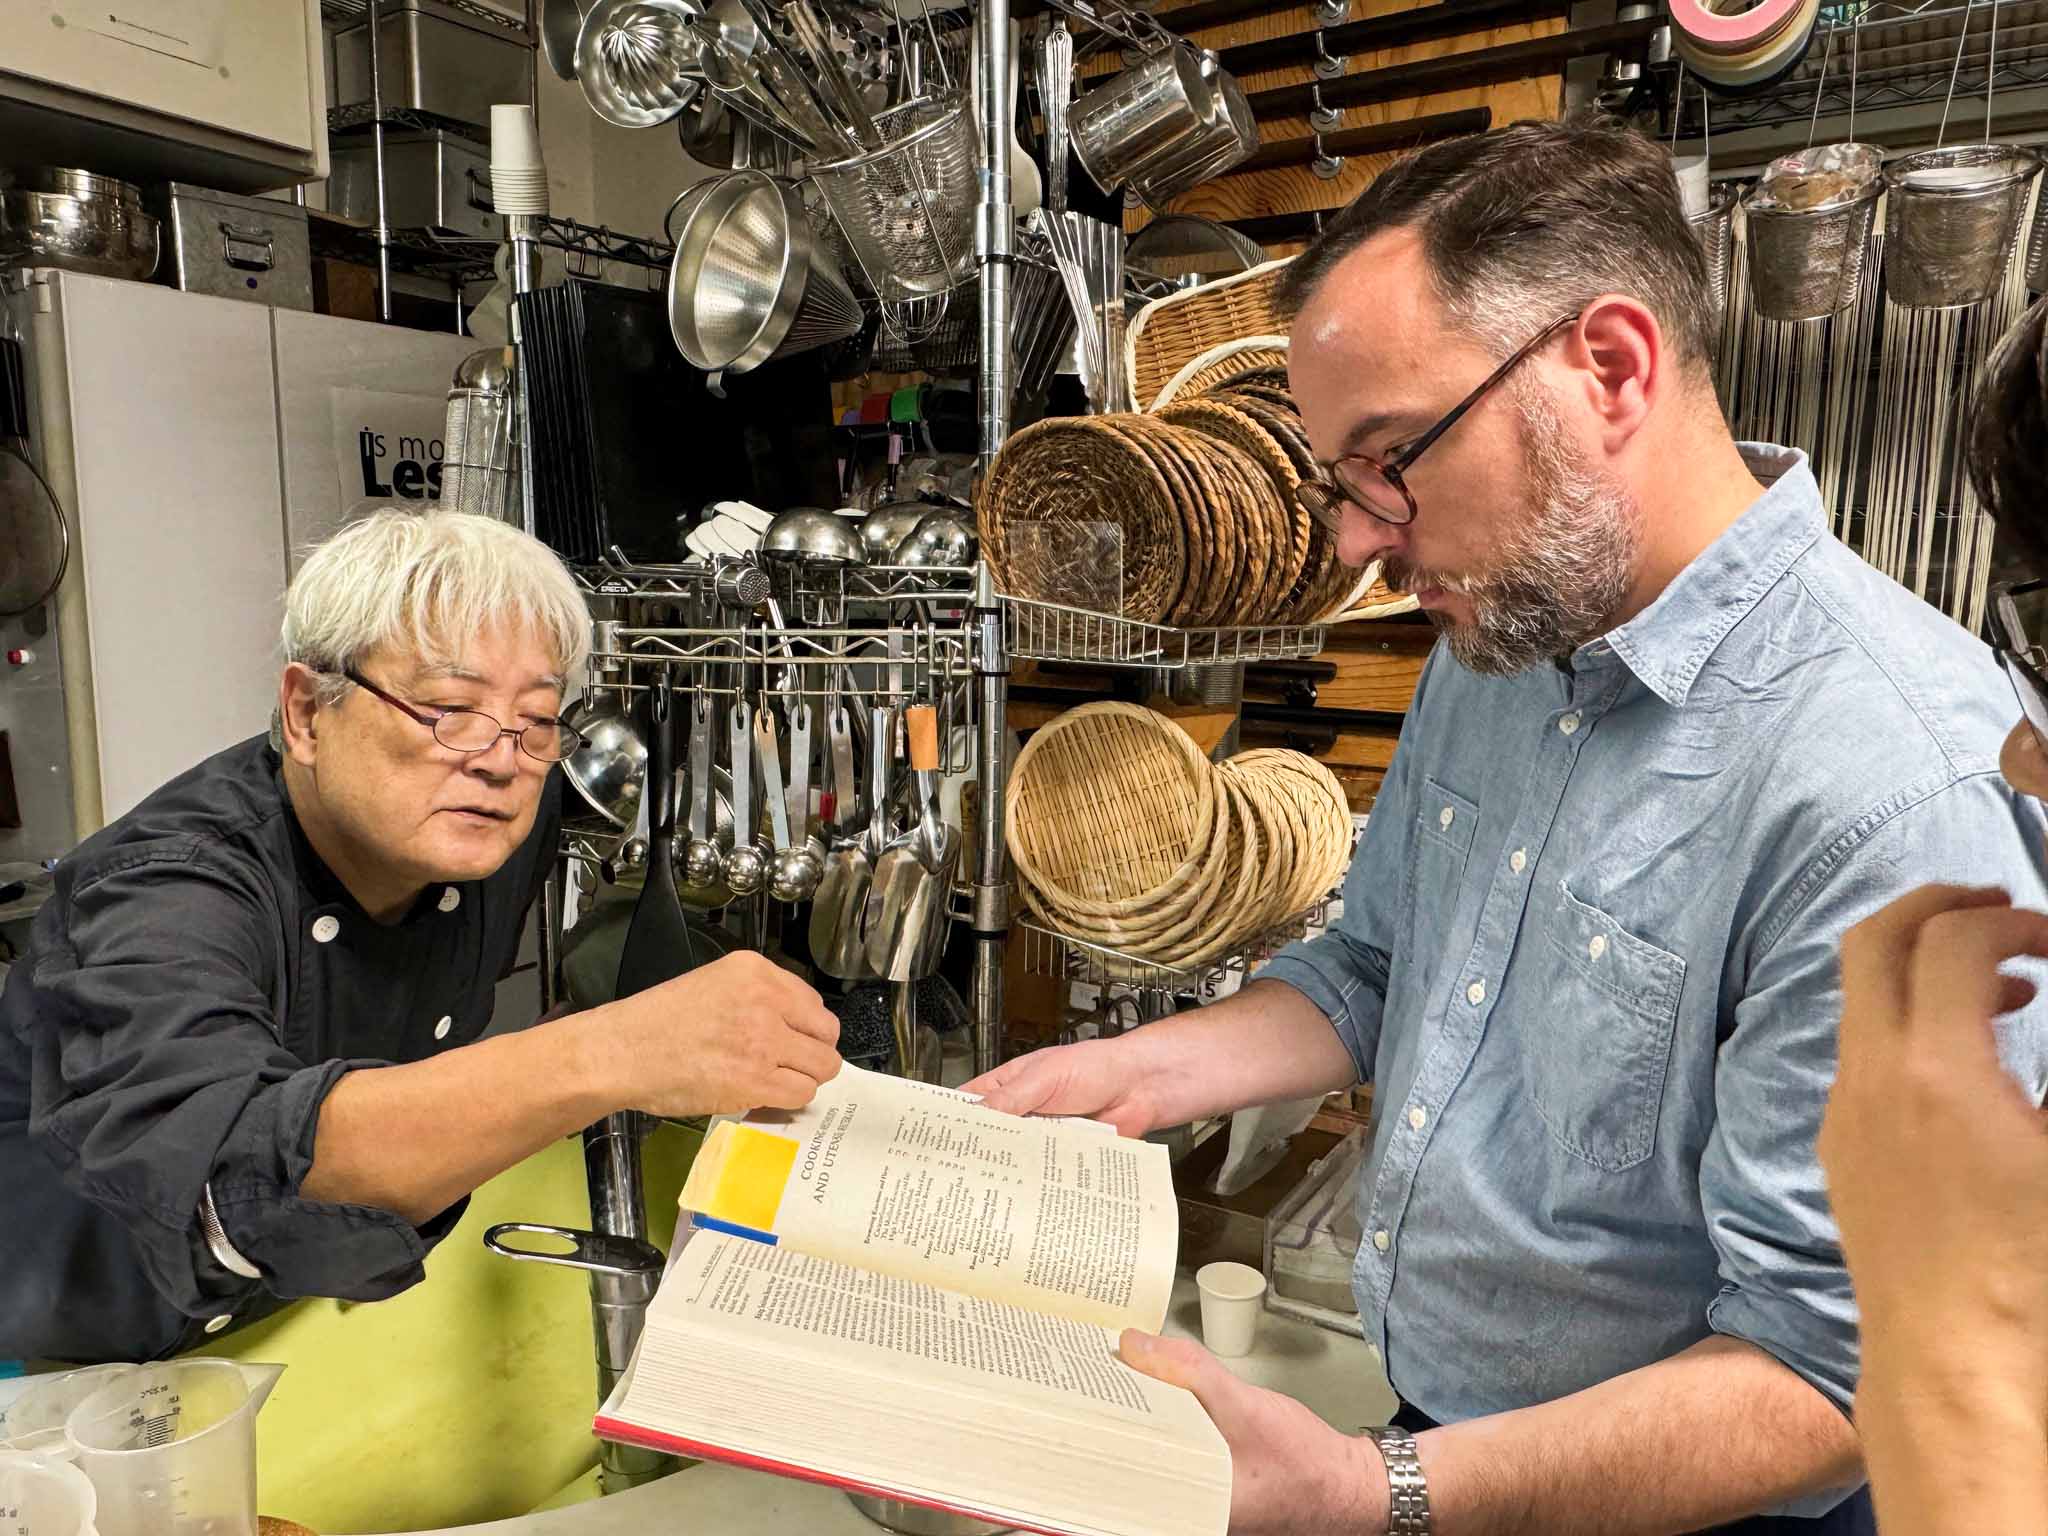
(1675, 739)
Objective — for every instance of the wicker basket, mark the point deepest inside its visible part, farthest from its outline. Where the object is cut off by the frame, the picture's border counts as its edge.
(1110, 813)
(1182, 861)
(1372, 599)
(1167, 333)
(1063, 479)
(1223, 363)
(1243, 435)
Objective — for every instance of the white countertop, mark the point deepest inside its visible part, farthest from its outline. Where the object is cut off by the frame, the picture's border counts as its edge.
(1332, 1373)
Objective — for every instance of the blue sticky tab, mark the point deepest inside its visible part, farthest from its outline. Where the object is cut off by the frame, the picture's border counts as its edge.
(710, 1224)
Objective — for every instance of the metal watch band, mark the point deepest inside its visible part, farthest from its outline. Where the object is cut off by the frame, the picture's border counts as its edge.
(1408, 1489)
(223, 1251)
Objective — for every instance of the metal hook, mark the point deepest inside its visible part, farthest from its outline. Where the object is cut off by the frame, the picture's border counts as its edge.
(1322, 118)
(1328, 65)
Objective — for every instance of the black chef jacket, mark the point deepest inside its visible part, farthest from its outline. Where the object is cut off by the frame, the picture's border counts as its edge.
(195, 985)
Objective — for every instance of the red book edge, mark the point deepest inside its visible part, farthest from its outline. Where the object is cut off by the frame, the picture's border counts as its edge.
(609, 1428)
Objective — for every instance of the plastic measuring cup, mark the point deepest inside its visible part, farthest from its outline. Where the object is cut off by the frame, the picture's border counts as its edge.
(43, 1496)
(34, 1421)
(171, 1448)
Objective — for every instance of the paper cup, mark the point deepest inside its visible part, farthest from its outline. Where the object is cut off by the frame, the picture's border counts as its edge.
(1691, 171)
(515, 138)
(1232, 1297)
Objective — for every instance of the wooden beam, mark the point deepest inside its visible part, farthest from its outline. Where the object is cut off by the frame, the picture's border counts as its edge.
(1425, 24)
(1459, 71)
(1374, 138)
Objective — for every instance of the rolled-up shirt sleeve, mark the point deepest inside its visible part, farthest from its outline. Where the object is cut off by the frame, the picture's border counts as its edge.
(160, 1069)
(1344, 970)
(1785, 1286)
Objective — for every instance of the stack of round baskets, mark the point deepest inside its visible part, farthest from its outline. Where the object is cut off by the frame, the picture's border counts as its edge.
(1127, 837)
(1198, 494)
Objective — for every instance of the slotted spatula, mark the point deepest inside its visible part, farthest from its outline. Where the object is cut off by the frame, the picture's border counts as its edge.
(659, 945)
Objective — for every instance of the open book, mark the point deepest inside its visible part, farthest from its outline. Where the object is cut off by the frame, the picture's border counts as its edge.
(897, 1291)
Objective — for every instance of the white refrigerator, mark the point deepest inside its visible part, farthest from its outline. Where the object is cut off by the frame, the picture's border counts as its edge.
(197, 447)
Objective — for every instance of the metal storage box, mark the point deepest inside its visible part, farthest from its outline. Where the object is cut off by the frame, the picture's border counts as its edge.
(432, 180)
(236, 247)
(433, 58)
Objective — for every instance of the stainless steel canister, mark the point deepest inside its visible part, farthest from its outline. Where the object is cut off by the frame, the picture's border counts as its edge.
(1151, 113)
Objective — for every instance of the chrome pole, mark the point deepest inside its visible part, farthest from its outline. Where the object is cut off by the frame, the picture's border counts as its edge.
(521, 229)
(991, 889)
(995, 227)
(994, 223)
(377, 154)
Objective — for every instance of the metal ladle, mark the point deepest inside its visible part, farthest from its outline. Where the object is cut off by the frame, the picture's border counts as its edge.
(746, 867)
(800, 858)
(703, 860)
(783, 869)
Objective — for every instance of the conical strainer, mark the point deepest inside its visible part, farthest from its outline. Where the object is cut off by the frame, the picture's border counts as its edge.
(748, 283)
(829, 311)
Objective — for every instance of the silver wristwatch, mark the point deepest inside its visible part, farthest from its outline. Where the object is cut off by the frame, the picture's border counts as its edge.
(1408, 1489)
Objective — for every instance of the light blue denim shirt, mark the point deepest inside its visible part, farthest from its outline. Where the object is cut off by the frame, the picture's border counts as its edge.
(1588, 959)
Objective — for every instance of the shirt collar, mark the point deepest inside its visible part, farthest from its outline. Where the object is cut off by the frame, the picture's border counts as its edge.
(324, 887)
(1669, 642)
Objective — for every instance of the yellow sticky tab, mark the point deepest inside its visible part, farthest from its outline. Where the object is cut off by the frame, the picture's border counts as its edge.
(740, 1175)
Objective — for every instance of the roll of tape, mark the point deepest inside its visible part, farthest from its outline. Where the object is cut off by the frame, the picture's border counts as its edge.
(1713, 32)
(1757, 67)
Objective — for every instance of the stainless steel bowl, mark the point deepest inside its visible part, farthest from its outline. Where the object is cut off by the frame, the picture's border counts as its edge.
(941, 541)
(886, 527)
(610, 769)
(814, 537)
(489, 369)
(99, 236)
(71, 182)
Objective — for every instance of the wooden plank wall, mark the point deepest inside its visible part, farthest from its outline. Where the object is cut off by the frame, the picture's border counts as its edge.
(1297, 189)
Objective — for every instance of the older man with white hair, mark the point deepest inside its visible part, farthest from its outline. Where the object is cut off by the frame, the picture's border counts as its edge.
(241, 1061)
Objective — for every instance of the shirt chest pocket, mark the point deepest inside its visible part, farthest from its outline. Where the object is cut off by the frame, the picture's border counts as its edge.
(1601, 1008)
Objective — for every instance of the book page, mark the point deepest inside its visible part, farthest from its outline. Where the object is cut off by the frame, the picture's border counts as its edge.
(750, 1294)
(776, 1360)
(923, 1183)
